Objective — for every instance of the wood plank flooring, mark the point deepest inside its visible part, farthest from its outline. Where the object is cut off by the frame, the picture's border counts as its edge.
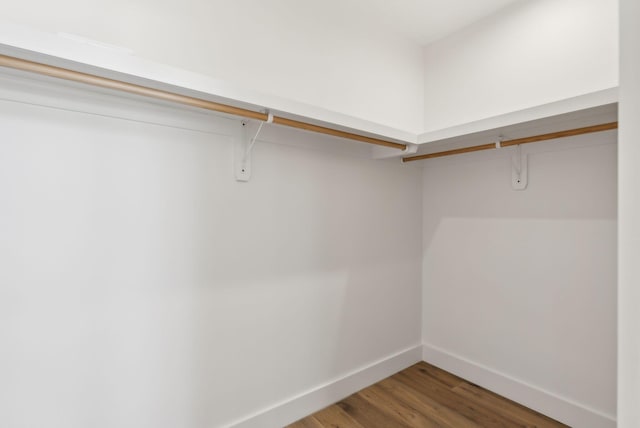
(425, 396)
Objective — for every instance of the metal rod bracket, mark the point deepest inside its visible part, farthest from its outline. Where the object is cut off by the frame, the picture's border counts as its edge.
(242, 153)
(244, 147)
(519, 170)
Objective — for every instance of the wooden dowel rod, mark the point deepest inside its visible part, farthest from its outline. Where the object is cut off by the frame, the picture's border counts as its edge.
(561, 134)
(103, 82)
(336, 133)
(517, 141)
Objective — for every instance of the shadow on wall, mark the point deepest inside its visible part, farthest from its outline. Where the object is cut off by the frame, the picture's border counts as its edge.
(312, 280)
(142, 287)
(527, 279)
(571, 179)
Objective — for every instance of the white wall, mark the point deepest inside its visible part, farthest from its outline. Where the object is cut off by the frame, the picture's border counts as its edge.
(305, 51)
(629, 213)
(141, 286)
(519, 287)
(528, 54)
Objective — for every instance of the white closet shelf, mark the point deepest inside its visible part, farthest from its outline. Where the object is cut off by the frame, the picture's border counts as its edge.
(545, 113)
(103, 61)
(598, 110)
(106, 62)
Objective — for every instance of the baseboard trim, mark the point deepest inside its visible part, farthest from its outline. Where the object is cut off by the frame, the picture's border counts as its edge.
(308, 402)
(560, 408)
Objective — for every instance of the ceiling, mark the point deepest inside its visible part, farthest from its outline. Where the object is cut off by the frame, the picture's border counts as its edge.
(424, 21)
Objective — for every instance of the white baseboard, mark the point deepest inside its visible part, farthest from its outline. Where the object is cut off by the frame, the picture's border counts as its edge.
(310, 401)
(560, 408)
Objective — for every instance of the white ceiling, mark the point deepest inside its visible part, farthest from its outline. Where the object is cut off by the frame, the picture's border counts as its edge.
(424, 21)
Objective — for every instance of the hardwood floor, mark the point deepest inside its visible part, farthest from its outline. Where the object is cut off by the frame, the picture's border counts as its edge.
(425, 396)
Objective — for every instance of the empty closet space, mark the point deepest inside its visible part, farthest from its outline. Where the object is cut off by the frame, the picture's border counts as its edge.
(342, 213)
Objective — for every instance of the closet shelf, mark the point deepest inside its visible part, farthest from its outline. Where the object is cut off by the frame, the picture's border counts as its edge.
(172, 84)
(104, 63)
(592, 113)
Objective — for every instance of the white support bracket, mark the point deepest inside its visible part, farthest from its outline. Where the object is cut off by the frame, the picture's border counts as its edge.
(381, 152)
(519, 171)
(243, 148)
(242, 154)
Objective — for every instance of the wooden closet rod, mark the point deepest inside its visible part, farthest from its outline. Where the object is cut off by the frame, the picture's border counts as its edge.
(526, 140)
(103, 82)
